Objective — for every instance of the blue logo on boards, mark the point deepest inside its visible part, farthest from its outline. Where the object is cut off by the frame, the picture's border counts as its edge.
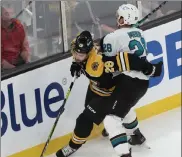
(173, 55)
(26, 121)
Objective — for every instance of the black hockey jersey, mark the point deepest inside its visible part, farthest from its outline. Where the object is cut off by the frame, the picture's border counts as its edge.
(101, 70)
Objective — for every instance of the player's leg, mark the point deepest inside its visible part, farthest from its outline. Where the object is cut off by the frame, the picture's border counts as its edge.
(115, 128)
(94, 112)
(135, 92)
(113, 123)
(131, 125)
(117, 135)
(127, 94)
(82, 130)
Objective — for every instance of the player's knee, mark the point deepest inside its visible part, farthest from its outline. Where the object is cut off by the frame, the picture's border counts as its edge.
(84, 126)
(117, 134)
(113, 125)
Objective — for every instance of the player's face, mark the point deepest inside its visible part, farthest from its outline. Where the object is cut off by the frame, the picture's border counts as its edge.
(119, 20)
(80, 57)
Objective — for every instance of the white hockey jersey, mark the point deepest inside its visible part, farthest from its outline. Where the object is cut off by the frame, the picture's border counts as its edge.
(130, 40)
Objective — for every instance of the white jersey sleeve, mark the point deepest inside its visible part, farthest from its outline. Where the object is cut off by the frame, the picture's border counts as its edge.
(112, 43)
(130, 40)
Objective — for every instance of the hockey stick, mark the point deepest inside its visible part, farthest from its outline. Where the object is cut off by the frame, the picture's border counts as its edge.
(110, 29)
(30, 2)
(61, 110)
(148, 15)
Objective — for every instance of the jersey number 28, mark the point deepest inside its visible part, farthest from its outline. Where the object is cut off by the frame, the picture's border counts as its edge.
(140, 45)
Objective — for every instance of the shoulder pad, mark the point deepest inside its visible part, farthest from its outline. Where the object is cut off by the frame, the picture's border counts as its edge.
(95, 65)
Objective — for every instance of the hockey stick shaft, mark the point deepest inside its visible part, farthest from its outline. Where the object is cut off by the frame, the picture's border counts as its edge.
(30, 2)
(148, 15)
(61, 110)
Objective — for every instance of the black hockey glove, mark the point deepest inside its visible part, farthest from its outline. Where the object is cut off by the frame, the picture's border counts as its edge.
(75, 69)
(155, 70)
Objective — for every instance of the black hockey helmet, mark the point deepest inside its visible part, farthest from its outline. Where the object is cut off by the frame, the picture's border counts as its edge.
(84, 42)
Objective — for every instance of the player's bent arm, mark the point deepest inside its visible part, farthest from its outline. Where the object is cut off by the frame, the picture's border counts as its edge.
(133, 62)
(128, 62)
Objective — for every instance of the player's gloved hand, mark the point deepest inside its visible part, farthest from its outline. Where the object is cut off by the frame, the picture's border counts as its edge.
(75, 69)
(156, 70)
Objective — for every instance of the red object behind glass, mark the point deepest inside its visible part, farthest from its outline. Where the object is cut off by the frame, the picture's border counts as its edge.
(13, 40)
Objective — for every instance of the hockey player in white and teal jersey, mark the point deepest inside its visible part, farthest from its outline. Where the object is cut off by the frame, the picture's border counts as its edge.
(126, 38)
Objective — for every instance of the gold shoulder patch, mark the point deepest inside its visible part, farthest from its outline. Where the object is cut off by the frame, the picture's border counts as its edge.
(94, 66)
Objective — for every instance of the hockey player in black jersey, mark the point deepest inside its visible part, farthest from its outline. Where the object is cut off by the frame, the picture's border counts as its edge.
(106, 92)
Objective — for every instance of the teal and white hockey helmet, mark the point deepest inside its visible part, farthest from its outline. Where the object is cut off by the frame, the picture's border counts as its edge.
(129, 13)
